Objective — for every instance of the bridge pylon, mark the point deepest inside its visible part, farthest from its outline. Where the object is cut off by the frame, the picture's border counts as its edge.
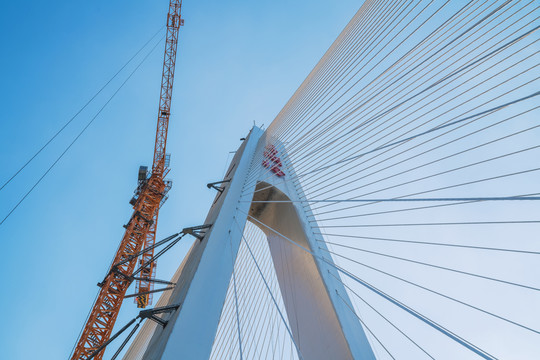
(317, 306)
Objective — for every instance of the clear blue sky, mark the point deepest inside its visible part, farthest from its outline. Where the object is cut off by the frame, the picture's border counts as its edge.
(238, 62)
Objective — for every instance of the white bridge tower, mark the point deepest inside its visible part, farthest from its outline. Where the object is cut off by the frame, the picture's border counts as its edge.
(323, 327)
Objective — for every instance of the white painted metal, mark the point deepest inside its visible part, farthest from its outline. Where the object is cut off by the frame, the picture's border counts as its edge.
(322, 323)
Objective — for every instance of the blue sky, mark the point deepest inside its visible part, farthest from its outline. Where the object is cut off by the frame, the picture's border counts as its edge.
(238, 62)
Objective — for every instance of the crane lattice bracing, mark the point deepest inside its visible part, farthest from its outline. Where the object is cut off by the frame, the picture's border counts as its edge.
(141, 228)
(160, 162)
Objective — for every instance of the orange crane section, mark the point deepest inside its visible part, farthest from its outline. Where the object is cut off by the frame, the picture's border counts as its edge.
(141, 228)
(160, 163)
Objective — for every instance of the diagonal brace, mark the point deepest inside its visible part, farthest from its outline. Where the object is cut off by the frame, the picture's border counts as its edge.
(197, 230)
(213, 185)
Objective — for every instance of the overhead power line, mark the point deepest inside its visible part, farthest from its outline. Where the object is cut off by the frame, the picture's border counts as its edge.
(80, 110)
(80, 133)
